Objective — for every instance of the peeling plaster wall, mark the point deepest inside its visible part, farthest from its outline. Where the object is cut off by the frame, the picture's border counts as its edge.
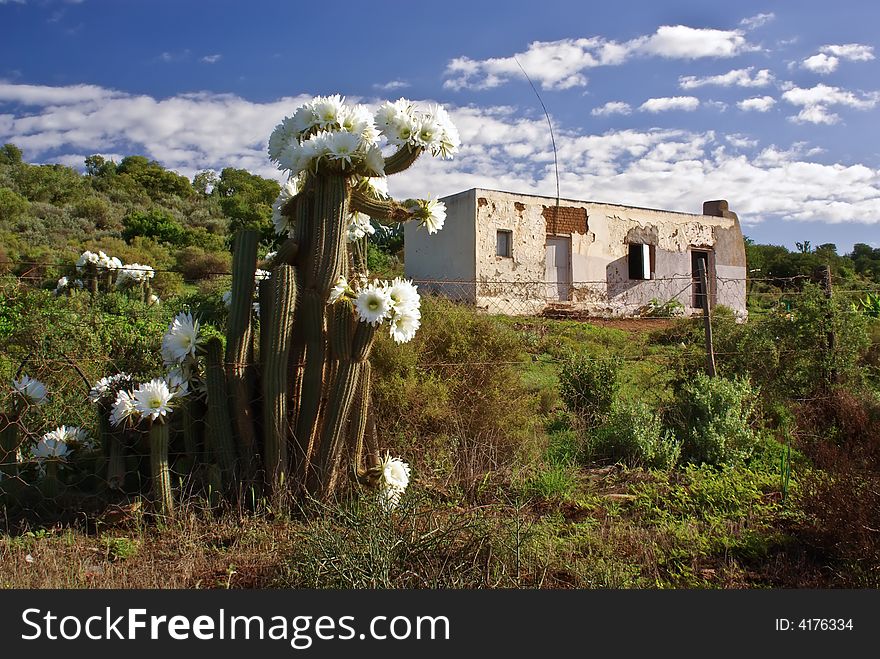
(599, 257)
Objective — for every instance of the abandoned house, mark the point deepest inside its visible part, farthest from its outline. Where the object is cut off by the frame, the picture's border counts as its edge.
(520, 254)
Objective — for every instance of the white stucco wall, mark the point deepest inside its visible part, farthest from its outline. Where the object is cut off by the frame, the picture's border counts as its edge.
(599, 257)
(444, 262)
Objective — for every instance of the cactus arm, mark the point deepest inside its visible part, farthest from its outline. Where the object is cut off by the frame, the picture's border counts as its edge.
(322, 480)
(310, 325)
(239, 336)
(219, 424)
(378, 209)
(358, 420)
(277, 325)
(287, 253)
(161, 474)
(111, 441)
(402, 159)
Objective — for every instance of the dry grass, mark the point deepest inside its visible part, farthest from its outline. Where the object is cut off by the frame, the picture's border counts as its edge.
(194, 551)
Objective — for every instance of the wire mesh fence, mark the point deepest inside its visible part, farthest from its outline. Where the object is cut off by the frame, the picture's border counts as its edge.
(68, 341)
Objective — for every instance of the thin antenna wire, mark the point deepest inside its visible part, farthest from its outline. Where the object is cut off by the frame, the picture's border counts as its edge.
(549, 123)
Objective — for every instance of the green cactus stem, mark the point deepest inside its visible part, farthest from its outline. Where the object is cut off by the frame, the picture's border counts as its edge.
(219, 439)
(322, 478)
(346, 371)
(277, 325)
(401, 159)
(192, 412)
(310, 326)
(8, 445)
(160, 473)
(111, 441)
(239, 341)
(378, 209)
(287, 253)
(357, 422)
(49, 485)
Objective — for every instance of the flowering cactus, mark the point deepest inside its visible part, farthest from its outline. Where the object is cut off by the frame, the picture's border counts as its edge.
(289, 393)
(332, 153)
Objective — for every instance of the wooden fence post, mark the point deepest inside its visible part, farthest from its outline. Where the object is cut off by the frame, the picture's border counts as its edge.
(707, 322)
(823, 274)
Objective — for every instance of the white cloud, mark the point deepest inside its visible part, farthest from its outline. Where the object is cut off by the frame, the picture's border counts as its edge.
(815, 102)
(756, 21)
(391, 86)
(212, 59)
(829, 56)
(737, 77)
(758, 103)
(611, 107)
(740, 141)
(663, 104)
(562, 64)
(659, 168)
(854, 52)
(821, 63)
(683, 42)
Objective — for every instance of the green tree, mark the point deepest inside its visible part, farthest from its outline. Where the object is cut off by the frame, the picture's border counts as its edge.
(12, 205)
(204, 180)
(155, 179)
(10, 155)
(155, 223)
(246, 199)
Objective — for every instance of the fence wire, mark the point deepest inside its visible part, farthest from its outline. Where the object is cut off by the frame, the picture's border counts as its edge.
(55, 351)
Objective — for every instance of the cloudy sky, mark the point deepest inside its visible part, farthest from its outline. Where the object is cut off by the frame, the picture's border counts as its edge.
(773, 106)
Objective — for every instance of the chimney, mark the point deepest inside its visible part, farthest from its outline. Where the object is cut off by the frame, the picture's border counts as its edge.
(718, 208)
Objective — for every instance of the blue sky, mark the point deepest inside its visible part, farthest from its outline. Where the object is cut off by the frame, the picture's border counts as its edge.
(771, 105)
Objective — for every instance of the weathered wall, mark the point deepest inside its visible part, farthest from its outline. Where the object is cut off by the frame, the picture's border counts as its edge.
(509, 284)
(445, 261)
(600, 234)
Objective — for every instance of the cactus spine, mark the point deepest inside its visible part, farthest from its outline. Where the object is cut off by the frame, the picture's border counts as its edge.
(218, 435)
(239, 338)
(160, 472)
(277, 325)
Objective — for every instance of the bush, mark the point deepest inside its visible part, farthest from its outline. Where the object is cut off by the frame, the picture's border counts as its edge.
(712, 416)
(156, 223)
(196, 264)
(634, 434)
(589, 386)
(452, 396)
(555, 482)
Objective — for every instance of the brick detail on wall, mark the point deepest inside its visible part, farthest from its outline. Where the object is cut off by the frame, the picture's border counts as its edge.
(565, 219)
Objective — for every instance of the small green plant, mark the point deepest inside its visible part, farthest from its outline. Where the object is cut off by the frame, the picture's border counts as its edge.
(634, 434)
(119, 548)
(868, 305)
(555, 482)
(712, 417)
(589, 385)
(657, 309)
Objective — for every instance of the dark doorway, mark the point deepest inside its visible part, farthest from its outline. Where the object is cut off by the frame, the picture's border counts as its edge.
(697, 257)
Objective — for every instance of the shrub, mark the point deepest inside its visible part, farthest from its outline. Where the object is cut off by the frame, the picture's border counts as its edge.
(589, 386)
(451, 395)
(196, 264)
(555, 482)
(634, 434)
(156, 223)
(712, 416)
